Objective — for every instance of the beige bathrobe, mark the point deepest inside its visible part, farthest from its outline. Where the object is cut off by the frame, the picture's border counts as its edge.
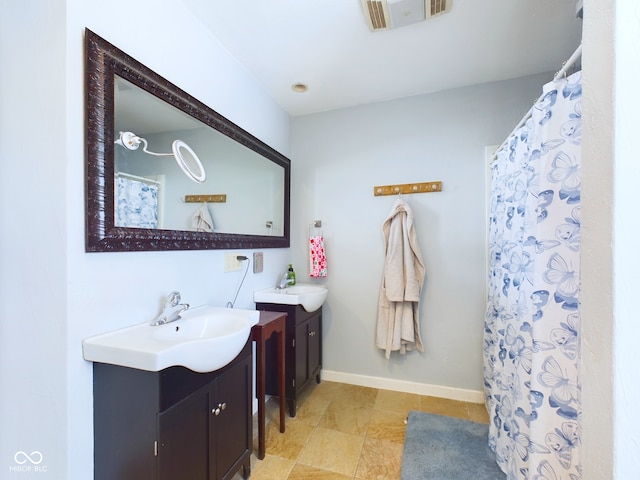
(398, 327)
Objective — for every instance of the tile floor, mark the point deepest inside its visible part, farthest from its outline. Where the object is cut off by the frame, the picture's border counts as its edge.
(343, 432)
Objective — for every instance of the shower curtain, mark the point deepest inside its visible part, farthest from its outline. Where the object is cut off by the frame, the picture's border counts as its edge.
(532, 323)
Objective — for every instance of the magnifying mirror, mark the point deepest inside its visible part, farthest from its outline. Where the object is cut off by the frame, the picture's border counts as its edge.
(188, 161)
(186, 158)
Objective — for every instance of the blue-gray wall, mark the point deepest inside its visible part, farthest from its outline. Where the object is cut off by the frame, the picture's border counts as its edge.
(339, 157)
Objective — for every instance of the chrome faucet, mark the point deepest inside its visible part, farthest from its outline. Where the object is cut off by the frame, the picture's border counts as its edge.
(284, 281)
(171, 310)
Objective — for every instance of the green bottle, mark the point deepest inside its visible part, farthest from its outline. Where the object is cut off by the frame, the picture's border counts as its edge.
(291, 275)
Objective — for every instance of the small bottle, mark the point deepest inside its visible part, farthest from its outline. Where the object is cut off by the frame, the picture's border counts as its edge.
(291, 275)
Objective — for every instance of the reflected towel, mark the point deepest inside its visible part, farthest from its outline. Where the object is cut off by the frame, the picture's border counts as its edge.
(317, 258)
(201, 219)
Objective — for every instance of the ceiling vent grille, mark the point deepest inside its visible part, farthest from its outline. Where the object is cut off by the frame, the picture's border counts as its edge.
(437, 7)
(376, 13)
(387, 14)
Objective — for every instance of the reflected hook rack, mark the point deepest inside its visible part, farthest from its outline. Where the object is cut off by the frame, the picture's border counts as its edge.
(215, 198)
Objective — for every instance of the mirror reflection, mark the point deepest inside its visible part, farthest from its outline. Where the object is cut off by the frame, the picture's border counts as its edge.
(242, 193)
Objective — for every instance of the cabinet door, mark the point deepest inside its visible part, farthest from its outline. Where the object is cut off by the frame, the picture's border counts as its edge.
(301, 352)
(183, 438)
(315, 345)
(231, 421)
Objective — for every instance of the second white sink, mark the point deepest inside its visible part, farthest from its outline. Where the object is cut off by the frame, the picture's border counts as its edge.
(311, 297)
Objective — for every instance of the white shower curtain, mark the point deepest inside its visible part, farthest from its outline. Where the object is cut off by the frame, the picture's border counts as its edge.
(532, 323)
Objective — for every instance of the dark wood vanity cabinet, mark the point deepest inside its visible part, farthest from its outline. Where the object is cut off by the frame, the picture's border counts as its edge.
(303, 351)
(175, 424)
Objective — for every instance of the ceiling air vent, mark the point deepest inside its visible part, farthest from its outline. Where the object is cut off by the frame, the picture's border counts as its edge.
(387, 14)
(376, 14)
(437, 7)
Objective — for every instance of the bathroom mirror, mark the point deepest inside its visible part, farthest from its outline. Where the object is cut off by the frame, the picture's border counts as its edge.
(243, 203)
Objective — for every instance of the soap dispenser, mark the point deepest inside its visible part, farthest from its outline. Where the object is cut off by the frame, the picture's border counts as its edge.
(291, 275)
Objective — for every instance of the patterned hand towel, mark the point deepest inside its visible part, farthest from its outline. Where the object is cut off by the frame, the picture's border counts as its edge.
(317, 259)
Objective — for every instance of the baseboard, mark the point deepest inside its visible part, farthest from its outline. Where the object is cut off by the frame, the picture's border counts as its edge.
(449, 393)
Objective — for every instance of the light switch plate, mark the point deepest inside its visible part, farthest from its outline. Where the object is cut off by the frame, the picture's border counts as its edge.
(258, 262)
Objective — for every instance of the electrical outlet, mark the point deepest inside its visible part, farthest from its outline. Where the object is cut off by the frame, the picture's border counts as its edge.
(231, 262)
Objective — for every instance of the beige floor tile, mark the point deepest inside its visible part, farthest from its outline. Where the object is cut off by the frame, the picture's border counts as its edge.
(331, 450)
(380, 460)
(388, 426)
(272, 409)
(272, 468)
(343, 430)
(352, 395)
(289, 444)
(397, 402)
(305, 472)
(347, 419)
(323, 389)
(441, 406)
(478, 412)
(310, 410)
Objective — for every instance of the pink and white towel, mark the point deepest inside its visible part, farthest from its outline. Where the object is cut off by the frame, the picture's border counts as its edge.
(317, 258)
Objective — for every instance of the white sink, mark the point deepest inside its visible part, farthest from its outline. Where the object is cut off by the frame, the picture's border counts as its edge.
(203, 340)
(311, 297)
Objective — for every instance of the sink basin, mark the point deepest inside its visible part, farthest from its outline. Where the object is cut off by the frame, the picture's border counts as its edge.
(311, 297)
(204, 339)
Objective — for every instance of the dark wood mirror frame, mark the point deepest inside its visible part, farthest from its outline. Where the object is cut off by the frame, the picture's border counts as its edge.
(103, 62)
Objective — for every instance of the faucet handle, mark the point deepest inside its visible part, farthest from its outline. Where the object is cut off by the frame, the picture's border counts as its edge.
(173, 299)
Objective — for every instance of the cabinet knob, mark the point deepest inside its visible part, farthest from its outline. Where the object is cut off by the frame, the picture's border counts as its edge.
(312, 334)
(221, 406)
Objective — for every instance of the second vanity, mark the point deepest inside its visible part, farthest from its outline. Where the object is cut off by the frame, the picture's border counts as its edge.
(303, 352)
(303, 337)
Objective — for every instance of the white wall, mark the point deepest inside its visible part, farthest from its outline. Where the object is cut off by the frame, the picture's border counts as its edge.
(597, 273)
(33, 270)
(626, 253)
(339, 156)
(626, 389)
(610, 257)
(55, 294)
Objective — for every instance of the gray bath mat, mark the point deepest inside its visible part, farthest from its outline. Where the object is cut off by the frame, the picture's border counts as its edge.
(445, 448)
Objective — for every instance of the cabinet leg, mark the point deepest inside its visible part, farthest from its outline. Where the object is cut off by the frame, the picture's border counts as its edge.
(292, 407)
(246, 470)
(282, 380)
(318, 378)
(260, 392)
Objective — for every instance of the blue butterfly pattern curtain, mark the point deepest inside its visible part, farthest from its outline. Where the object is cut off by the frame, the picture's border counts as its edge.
(136, 202)
(532, 323)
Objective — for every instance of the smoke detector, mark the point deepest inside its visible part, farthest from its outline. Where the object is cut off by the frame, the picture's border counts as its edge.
(387, 14)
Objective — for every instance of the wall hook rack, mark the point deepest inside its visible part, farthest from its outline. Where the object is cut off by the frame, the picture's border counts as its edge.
(424, 187)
